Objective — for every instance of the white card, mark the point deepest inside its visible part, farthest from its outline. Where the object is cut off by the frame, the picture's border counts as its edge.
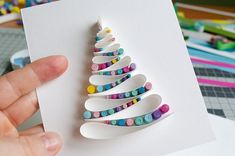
(150, 34)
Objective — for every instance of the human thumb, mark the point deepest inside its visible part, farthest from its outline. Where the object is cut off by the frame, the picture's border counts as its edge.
(43, 144)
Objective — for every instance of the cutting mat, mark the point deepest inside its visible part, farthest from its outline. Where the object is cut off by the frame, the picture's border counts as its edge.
(11, 41)
(219, 100)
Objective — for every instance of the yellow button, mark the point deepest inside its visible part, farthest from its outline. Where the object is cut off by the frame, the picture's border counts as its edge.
(134, 101)
(16, 9)
(108, 30)
(114, 61)
(3, 11)
(91, 89)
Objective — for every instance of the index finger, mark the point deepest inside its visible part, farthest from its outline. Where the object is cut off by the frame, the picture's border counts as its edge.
(20, 82)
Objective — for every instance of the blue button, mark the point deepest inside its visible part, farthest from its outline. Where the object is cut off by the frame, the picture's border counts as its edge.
(107, 86)
(141, 90)
(87, 115)
(99, 88)
(148, 118)
(104, 113)
(121, 122)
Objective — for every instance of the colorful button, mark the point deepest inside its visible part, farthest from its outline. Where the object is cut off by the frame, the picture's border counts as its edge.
(104, 113)
(91, 89)
(107, 73)
(139, 121)
(99, 88)
(114, 61)
(127, 94)
(164, 108)
(134, 101)
(132, 66)
(95, 67)
(126, 70)
(97, 38)
(119, 108)
(96, 114)
(124, 106)
(120, 51)
(119, 81)
(113, 84)
(108, 64)
(107, 86)
(119, 71)
(106, 122)
(148, 85)
(129, 122)
(102, 66)
(148, 118)
(156, 114)
(87, 115)
(114, 96)
(121, 96)
(129, 104)
(138, 99)
(113, 73)
(121, 122)
(141, 90)
(113, 122)
(108, 30)
(134, 93)
(111, 111)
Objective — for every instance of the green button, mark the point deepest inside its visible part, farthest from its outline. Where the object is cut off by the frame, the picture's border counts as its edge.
(139, 121)
(134, 93)
(113, 122)
(111, 111)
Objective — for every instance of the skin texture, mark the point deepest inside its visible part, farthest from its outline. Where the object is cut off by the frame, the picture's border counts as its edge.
(19, 102)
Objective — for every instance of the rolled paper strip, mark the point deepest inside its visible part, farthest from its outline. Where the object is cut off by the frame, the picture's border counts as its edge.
(96, 114)
(91, 89)
(148, 85)
(113, 84)
(111, 111)
(121, 95)
(134, 101)
(164, 108)
(118, 109)
(134, 93)
(87, 115)
(141, 90)
(108, 64)
(107, 86)
(99, 88)
(95, 67)
(126, 70)
(113, 73)
(139, 121)
(119, 71)
(148, 118)
(103, 66)
(124, 106)
(156, 114)
(114, 96)
(129, 122)
(127, 95)
(121, 122)
(104, 113)
(132, 66)
(113, 122)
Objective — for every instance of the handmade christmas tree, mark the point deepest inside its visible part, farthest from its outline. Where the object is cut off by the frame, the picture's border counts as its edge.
(116, 93)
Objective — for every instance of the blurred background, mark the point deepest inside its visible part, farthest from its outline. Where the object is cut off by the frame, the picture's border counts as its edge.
(208, 28)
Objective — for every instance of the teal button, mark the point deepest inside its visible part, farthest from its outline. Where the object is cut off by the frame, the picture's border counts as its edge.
(99, 88)
(148, 118)
(120, 51)
(87, 115)
(111, 111)
(119, 71)
(134, 93)
(104, 113)
(139, 121)
(113, 122)
(127, 94)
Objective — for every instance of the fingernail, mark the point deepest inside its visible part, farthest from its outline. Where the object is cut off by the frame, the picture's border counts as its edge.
(52, 143)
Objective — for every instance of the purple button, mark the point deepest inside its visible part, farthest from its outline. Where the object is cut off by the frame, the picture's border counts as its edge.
(132, 66)
(108, 64)
(118, 108)
(121, 96)
(156, 114)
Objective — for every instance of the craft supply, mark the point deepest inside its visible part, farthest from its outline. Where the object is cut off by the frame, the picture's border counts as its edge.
(216, 83)
(87, 115)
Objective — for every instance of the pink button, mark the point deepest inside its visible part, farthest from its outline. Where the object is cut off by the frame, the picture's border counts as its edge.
(114, 96)
(129, 122)
(129, 104)
(96, 114)
(124, 106)
(148, 86)
(164, 108)
(95, 67)
(102, 66)
(106, 122)
(96, 49)
(126, 69)
(113, 84)
(113, 73)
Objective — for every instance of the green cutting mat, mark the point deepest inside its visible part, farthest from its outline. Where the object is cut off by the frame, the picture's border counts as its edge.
(11, 41)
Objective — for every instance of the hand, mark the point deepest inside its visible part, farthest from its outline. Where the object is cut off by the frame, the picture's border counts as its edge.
(18, 102)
